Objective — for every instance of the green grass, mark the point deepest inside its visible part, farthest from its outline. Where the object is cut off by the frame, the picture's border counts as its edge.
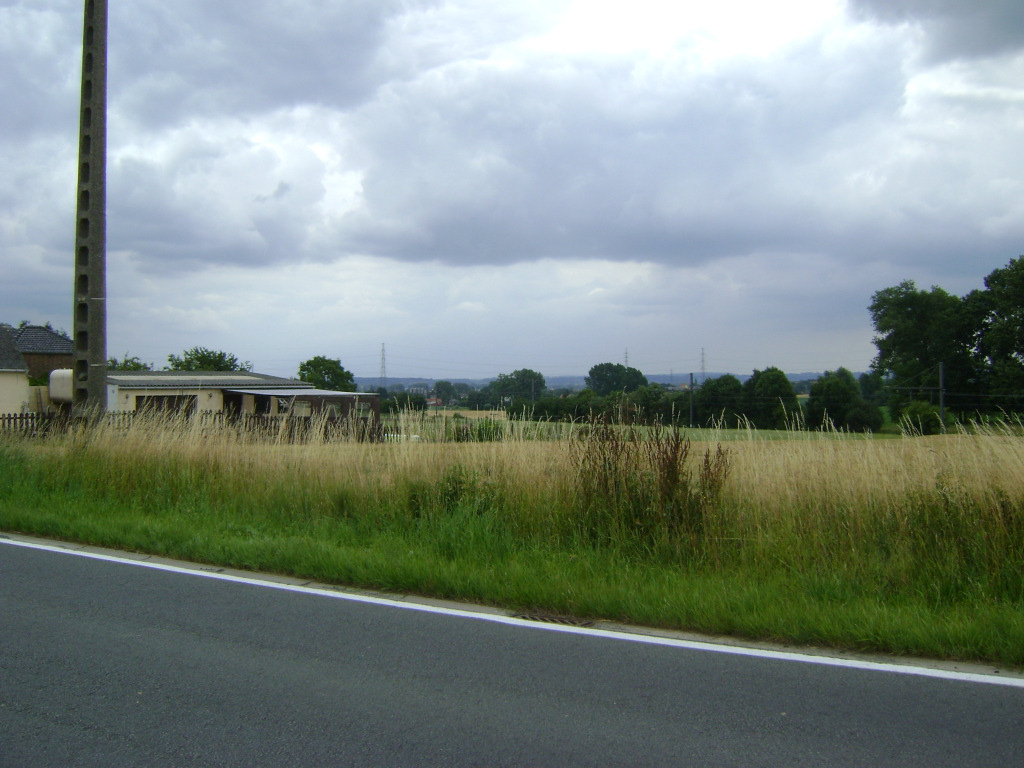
(911, 546)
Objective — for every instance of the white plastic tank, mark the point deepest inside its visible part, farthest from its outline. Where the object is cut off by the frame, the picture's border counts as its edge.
(62, 385)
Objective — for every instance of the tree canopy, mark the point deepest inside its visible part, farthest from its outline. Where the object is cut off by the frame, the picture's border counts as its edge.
(523, 384)
(127, 363)
(203, 359)
(998, 312)
(445, 391)
(719, 401)
(978, 340)
(836, 401)
(769, 401)
(327, 373)
(605, 378)
(916, 331)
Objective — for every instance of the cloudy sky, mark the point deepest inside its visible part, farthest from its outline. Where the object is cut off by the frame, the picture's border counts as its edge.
(483, 186)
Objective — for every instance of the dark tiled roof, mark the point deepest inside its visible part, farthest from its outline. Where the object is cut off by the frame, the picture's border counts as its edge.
(37, 340)
(200, 379)
(10, 357)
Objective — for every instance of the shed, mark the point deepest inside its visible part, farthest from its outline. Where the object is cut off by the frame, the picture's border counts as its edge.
(14, 389)
(231, 392)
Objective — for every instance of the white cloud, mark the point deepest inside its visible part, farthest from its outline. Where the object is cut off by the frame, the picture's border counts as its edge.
(707, 32)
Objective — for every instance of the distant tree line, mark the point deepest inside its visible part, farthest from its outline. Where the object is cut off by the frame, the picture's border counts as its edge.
(194, 359)
(766, 400)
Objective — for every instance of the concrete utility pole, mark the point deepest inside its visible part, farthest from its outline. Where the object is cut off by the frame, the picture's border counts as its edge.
(89, 318)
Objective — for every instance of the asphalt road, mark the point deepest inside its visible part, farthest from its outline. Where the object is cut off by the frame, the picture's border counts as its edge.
(104, 663)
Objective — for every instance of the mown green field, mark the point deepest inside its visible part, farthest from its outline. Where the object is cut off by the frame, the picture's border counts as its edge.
(908, 546)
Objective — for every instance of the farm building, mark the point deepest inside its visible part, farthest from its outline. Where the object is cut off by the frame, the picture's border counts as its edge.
(14, 389)
(43, 348)
(230, 392)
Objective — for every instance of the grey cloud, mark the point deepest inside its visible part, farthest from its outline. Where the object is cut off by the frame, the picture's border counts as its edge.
(171, 62)
(465, 163)
(283, 188)
(524, 165)
(39, 46)
(170, 221)
(955, 28)
(167, 229)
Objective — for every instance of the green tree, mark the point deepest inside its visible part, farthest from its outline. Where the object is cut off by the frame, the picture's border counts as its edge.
(499, 391)
(650, 403)
(719, 400)
(479, 399)
(915, 332)
(524, 384)
(836, 399)
(327, 373)
(769, 400)
(998, 313)
(832, 395)
(529, 383)
(922, 418)
(873, 387)
(126, 363)
(864, 417)
(445, 392)
(977, 339)
(1003, 319)
(203, 359)
(605, 378)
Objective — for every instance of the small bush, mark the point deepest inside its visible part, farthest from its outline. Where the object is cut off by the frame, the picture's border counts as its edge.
(639, 487)
(921, 418)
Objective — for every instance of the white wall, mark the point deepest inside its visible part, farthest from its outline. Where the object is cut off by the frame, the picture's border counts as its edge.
(13, 391)
(124, 399)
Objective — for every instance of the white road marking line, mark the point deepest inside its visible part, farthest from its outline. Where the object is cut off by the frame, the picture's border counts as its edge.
(694, 645)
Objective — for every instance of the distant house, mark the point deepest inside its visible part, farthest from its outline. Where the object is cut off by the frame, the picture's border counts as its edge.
(44, 349)
(14, 389)
(232, 392)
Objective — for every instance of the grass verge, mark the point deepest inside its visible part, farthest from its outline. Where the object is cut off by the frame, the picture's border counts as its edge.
(909, 546)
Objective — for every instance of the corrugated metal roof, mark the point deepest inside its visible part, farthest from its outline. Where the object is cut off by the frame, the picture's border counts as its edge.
(239, 382)
(199, 380)
(299, 393)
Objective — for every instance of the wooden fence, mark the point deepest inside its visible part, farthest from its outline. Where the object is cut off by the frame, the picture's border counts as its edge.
(28, 423)
(291, 429)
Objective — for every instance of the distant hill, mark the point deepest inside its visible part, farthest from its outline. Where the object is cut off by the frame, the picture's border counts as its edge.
(369, 384)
